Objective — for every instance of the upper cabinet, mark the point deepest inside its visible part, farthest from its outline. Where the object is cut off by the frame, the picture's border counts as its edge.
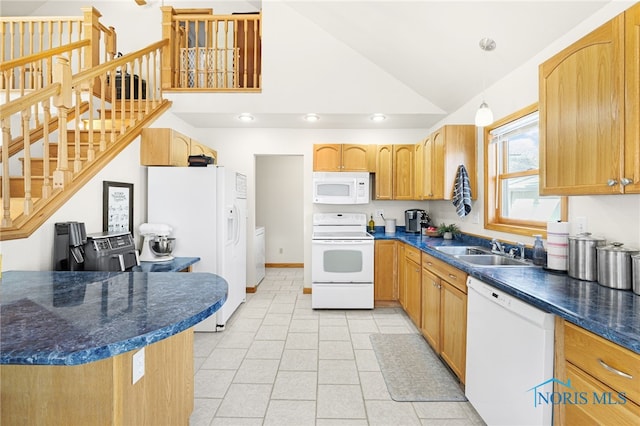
(589, 112)
(394, 171)
(384, 172)
(442, 152)
(167, 147)
(403, 172)
(343, 158)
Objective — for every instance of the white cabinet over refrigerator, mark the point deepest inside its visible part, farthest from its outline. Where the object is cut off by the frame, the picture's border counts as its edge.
(207, 209)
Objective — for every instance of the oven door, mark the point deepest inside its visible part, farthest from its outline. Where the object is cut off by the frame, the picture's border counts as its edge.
(342, 261)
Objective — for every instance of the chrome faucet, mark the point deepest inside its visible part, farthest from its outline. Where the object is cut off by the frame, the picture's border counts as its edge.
(496, 247)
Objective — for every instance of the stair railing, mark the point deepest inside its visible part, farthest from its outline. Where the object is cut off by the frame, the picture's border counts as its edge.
(130, 102)
(22, 37)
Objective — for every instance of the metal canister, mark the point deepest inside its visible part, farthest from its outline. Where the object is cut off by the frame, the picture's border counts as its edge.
(582, 263)
(635, 273)
(614, 266)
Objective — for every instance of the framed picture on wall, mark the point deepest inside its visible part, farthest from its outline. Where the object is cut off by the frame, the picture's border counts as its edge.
(117, 206)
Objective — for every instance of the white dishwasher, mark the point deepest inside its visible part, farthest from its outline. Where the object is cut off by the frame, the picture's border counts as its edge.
(509, 357)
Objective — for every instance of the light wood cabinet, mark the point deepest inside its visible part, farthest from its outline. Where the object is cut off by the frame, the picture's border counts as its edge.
(412, 287)
(384, 172)
(403, 172)
(444, 312)
(168, 147)
(597, 368)
(430, 325)
(343, 158)
(443, 151)
(394, 173)
(453, 314)
(589, 112)
(385, 283)
(419, 170)
(402, 278)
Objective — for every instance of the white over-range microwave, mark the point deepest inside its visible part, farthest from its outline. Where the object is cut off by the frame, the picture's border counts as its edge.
(341, 188)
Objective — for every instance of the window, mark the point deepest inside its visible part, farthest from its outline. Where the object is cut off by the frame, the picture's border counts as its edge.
(513, 203)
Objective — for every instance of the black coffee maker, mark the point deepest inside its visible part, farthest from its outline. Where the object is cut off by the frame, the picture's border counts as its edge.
(68, 246)
(413, 220)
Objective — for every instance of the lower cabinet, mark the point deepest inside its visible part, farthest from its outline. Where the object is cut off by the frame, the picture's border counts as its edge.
(385, 279)
(412, 286)
(432, 293)
(605, 378)
(444, 312)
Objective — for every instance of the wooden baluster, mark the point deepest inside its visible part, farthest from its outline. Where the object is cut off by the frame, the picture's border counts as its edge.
(147, 61)
(91, 154)
(28, 201)
(114, 108)
(6, 184)
(3, 26)
(63, 102)
(51, 25)
(41, 27)
(46, 167)
(103, 94)
(21, 35)
(77, 164)
(153, 84)
(256, 49)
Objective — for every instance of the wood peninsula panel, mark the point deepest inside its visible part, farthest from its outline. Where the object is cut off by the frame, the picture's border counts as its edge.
(102, 392)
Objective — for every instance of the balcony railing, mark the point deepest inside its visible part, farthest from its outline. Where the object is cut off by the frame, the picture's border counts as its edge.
(211, 52)
(28, 44)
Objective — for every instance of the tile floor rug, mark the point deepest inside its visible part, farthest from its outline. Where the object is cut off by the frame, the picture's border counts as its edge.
(412, 371)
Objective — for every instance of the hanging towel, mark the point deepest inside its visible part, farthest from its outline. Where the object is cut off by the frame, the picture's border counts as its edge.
(462, 192)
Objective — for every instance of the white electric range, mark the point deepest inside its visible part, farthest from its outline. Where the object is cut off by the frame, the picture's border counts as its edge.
(341, 262)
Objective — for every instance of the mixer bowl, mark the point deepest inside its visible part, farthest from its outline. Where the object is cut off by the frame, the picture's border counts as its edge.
(162, 246)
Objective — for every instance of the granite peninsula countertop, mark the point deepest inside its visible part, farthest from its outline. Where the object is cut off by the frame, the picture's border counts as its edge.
(611, 314)
(71, 318)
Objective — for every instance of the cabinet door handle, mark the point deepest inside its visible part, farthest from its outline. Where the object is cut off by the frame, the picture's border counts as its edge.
(625, 181)
(453, 276)
(614, 370)
(612, 182)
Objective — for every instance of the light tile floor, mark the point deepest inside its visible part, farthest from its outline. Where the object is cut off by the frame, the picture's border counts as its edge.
(279, 362)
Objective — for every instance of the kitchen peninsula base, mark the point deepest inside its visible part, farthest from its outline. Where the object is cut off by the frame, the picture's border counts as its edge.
(102, 392)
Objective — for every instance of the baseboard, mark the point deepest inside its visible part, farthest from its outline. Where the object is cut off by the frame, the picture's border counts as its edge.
(284, 265)
(306, 290)
(387, 304)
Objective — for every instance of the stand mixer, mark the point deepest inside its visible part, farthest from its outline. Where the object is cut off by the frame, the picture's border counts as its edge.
(157, 246)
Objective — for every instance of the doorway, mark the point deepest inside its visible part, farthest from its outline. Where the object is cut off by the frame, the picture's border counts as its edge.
(280, 208)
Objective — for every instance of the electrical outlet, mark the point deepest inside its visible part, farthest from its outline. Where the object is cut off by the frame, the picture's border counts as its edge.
(280, 250)
(138, 366)
(581, 224)
(475, 217)
(379, 213)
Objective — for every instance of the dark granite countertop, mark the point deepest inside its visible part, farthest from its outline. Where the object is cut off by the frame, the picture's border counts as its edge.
(611, 314)
(71, 318)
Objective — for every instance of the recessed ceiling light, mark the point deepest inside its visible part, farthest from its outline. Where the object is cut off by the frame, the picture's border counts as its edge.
(378, 117)
(312, 117)
(245, 117)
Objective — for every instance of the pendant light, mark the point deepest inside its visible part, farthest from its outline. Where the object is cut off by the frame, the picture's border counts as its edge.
(484, 115)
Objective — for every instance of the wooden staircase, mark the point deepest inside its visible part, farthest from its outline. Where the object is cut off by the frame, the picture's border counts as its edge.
(49, 160)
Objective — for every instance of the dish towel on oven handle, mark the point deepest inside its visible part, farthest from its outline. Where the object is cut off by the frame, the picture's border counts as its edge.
(462, 192)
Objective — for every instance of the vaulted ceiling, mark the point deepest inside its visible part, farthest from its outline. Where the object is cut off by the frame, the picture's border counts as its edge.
(428, 46)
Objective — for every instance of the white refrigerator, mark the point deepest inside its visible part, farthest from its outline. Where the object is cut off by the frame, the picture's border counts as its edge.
(207, 209)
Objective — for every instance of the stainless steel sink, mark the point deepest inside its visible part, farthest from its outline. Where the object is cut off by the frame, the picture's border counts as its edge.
(462, 250)
(491, 260)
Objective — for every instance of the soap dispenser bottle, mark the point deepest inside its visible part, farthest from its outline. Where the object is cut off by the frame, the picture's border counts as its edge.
(538, 251)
